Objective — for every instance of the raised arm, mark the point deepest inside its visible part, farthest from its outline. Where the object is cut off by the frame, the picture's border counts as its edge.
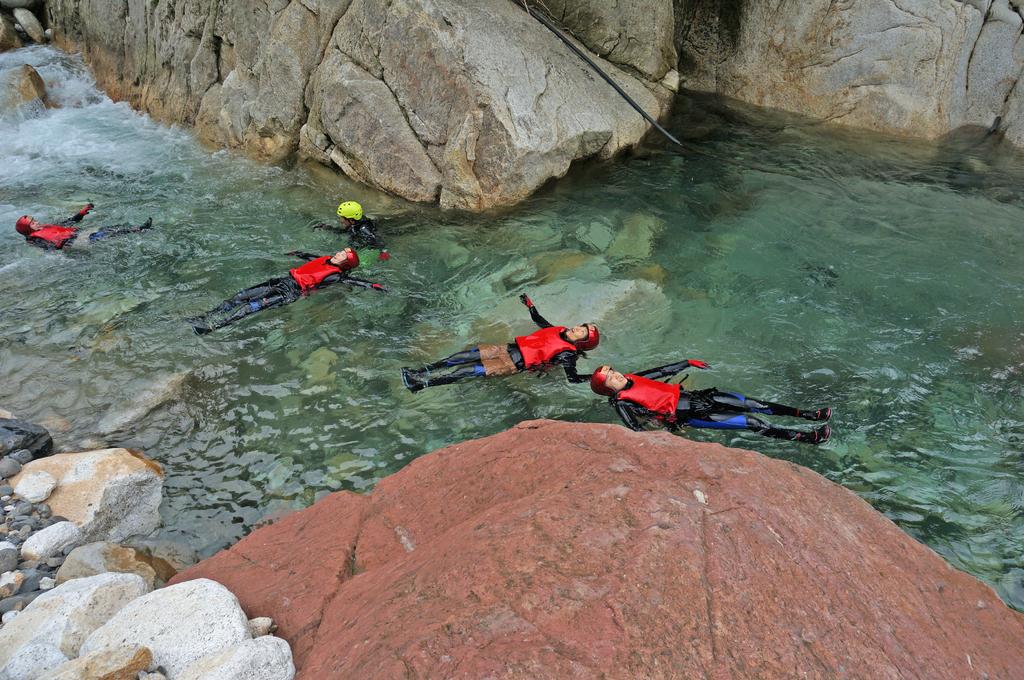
(534, 314)
(669, 370)
(77, 217)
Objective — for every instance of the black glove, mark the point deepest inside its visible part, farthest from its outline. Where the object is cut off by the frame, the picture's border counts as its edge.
(525, 299)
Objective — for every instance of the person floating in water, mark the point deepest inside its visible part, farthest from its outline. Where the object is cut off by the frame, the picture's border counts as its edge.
(361, 230)
(641, 397)
(56, 236)
(319, 271)
(548, 347)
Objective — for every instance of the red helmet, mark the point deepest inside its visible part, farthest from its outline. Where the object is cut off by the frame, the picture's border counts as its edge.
(24, 225)
(351, 260)
(599, 382)
(591, 341)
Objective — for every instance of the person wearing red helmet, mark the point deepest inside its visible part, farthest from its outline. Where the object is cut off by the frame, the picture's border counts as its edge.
(548, 347)
(642, 397)
(56, 236)
(318, 272)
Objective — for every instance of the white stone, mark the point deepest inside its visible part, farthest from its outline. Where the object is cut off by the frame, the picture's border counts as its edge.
(10, 583)
(110, 494)
(47, 583)
(31, 25)
(63, 617)
(35, 487)
(31, 661)
(180, 624)
(265, 658)
(51, 541)
(261, 625)
(9, 616)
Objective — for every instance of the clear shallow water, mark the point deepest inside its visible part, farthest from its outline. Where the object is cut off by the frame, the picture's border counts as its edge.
(808, 266)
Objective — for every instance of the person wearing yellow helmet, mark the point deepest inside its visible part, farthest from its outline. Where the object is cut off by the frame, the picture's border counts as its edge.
(360, 229)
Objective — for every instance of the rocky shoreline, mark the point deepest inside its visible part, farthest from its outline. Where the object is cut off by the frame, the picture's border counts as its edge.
(82, 586)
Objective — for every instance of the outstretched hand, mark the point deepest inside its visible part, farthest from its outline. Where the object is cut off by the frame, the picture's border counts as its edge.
(525, 299)
(697, 363)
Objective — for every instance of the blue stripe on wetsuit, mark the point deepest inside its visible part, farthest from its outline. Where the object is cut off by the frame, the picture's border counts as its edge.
(738, 422)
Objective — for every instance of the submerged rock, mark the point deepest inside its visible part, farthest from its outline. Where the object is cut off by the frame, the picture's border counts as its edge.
(142, 403)
(110, 494)
(564, 550)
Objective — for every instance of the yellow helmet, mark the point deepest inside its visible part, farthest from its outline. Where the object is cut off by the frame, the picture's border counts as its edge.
(350, 210)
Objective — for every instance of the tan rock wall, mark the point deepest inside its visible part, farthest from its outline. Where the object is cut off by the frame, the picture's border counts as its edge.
(470, 104)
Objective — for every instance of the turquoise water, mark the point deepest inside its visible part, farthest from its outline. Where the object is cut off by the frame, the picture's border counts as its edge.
(806, 265)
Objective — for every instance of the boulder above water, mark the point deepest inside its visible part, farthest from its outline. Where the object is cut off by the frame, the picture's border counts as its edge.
(179, 624)
(564, 550)
(110, 494)
(30, 23)
(16, 434)
(9, 38)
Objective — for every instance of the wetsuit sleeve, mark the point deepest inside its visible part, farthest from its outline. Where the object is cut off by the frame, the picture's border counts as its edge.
(669, 370)
(305, 256)
(538, 319)
(77, 217)
(568, 361)
(359, 283)
(628, 416)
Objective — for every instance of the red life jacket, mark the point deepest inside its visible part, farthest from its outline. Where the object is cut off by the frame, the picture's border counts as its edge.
(312, 274)
(659, 397)
(54, 235)
(541, 347)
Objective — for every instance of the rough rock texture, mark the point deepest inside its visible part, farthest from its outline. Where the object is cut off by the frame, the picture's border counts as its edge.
(9, 40)
(265, 658)
(918, 67)
(102, 557)
(469, 104)
(64, 616)
(109, 494)
(180, 624)
(565, 550)
(124, 663)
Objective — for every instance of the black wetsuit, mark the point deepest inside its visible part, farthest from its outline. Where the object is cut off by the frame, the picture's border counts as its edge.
(102, 233)
(468, 364)
(718, 410)
(271, 293)
(362, 234)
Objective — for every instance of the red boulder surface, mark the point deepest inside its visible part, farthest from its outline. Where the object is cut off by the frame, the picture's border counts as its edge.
(559, 550)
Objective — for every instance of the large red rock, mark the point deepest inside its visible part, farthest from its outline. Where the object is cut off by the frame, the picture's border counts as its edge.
(558, 550)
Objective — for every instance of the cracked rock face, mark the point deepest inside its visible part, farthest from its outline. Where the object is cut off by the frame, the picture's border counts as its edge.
(472, 105)
(917, 67)
(559, 550)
